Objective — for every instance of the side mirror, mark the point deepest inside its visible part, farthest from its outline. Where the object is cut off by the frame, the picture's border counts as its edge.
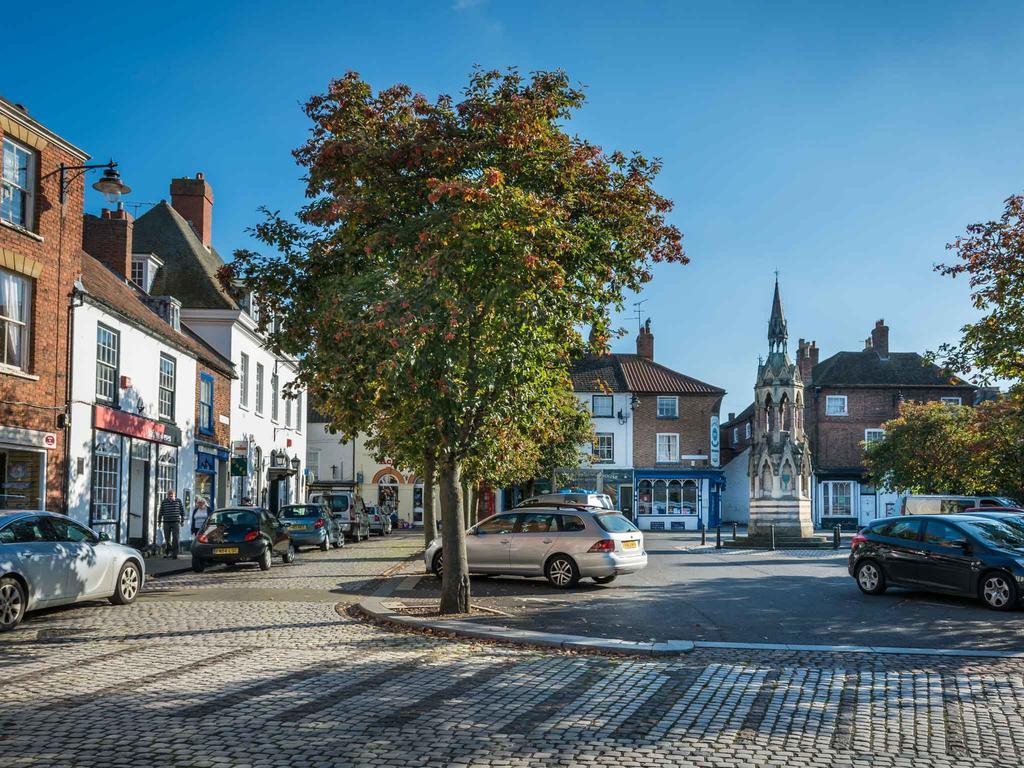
(104, 537)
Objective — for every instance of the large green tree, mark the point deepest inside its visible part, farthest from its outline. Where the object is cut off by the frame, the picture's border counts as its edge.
(446, 257)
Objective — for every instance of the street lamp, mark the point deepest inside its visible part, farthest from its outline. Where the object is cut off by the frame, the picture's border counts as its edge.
(110, 186)
(295, 463)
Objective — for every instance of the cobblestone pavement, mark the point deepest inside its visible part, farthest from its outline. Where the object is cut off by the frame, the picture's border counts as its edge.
(186, 678)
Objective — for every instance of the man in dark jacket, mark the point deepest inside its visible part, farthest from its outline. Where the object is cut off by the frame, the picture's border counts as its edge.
(172, 515)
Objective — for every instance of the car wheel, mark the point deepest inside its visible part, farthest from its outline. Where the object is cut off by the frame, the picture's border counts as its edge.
(438, 564)
(289, 555)
(129, 582)
(325, 544)
(562, 572)
(265, 559)
(998, 591)
(604, 579)
(198, 565)
(12, 603)
(870, 578)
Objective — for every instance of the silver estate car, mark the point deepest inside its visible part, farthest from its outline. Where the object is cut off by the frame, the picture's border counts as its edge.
(48, 559)
(563, 544)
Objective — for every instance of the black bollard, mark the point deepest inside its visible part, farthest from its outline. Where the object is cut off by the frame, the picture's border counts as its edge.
(734, 531)
(773, 535)
(718, 537)
(703, 535)
(837, 534)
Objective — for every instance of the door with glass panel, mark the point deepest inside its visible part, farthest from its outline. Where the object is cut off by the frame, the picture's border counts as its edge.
(487, 547)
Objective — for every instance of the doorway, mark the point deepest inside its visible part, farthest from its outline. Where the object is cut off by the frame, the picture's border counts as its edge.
(868, 508)
(626, 500)
(138, 495)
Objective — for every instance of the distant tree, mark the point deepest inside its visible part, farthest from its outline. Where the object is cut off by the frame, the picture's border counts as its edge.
(991, 254)
(446, 257)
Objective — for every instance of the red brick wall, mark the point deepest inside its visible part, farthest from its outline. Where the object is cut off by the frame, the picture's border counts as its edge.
(693, 426)
(836, 441)
(221, 405)
(36, 403)
(108, 239)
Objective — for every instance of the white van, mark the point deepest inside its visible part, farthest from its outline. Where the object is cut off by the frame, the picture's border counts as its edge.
(917, 504)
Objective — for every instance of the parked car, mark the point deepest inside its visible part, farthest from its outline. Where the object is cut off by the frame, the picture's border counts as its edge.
(561, 544)
(349, 510)
(241, 535)
(312, 525)
(576, 498)
(380, 521)
(918, 504)
(48, 559)
(961, 554)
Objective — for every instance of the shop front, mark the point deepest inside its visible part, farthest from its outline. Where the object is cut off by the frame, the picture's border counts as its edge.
(23, 458)
(281, 480)
(211, 474)
(134, 462)
(678, 500)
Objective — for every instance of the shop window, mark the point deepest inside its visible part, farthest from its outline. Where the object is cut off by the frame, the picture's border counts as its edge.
(690, 497)
(168, 386)
(206, 403)
(644, 497)
(675, 497)
(387, 493)
(15, 319)
(106, 477)
(18, 184)
(108, 361)
(837, 499)
(602, 406)
(21, 479)
(660, 497)
(167, 471)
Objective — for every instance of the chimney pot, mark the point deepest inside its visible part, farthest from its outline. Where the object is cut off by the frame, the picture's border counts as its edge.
(193, 200)
(645, 342)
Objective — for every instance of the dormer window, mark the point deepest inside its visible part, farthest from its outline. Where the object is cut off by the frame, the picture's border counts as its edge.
(144, 269)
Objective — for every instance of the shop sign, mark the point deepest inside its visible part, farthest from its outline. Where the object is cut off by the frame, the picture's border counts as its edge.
(28, 437)
(716, 456)
(124, 423)
(240, 447)
(239, 466)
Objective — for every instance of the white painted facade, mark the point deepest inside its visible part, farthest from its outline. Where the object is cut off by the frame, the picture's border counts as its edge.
(619, 425)
(266, 430)
(736, 496)
(131, 471)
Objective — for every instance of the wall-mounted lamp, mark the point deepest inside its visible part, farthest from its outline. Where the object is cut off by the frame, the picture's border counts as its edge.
(110, 186)
(634, 402)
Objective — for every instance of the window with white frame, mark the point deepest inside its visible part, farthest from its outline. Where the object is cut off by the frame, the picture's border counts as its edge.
(275, 396)
(746, 431)
(604, 447)
(837, 498)
(167, 471)
(668, 407)
(243, 365)
(873, 436)
(602, 405)
(106, 474)
(667, 448)
(835, 405)
(259, 389)
(168, 374)
(287, 411)
(108, 360)
(139, 273)
(313, 464)
(298, 412)
(17, 184)
(15, 319)
(952, 401)
(206, 403)
(735, 435)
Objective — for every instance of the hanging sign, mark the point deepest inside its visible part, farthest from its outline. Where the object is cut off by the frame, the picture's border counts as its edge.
(716, 456)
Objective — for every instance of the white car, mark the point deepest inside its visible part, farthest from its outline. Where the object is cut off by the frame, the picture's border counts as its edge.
(576, 498)
(48, 559)
(562, 543)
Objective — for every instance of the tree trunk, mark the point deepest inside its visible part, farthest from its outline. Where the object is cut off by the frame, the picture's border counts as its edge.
(429, 521)
(465, 503)
(455, 577)
(474, 505)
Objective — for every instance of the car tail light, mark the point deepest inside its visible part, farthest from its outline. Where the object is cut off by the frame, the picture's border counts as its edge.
(252, 535)
(319, 523)
(201, 538)
(604, 545)
(860, 538)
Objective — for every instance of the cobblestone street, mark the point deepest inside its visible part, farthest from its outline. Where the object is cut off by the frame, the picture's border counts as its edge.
(193, 676)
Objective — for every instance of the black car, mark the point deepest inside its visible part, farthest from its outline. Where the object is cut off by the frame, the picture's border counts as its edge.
(241, 535)
(973, 555)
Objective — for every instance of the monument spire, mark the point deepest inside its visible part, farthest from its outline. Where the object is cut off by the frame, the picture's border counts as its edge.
(777, 331)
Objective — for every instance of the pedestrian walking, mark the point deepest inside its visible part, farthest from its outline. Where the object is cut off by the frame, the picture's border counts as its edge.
(199, 516)
(172, 515)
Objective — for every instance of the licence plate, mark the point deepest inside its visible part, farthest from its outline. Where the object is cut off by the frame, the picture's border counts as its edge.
(225, 551)
(298, 528)
(630, 544)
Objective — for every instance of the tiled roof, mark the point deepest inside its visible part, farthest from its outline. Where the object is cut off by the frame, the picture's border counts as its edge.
(633, 373)
(190, 270)
(111, 291)
(868, 369)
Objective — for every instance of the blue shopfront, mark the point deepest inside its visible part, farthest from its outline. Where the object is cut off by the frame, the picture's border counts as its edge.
(211, 473)
(678, 499)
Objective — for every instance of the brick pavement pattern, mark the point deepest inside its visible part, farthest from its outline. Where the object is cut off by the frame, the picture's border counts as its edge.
(283, 682)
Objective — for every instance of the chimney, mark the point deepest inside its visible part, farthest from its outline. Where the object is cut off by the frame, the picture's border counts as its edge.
(807, 357)
(880, 339)
(645, 341)
(732, 415)
(108, 239)
(193, 200)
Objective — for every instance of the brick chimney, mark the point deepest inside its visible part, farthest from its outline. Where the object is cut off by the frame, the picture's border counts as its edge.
(880, 339)
(806, 358)
(645, 341)
(108, 239)
(193, 200)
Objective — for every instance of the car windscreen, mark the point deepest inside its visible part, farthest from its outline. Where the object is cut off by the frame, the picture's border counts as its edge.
(301, 510)
(995, 533)
(615, 523)
(338, 503)
(234, 519)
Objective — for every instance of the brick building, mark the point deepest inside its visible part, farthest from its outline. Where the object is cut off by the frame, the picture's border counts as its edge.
(40, 240)
(671, 420)
(848, 397)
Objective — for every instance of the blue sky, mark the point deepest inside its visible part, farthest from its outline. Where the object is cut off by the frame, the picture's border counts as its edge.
(842, 143)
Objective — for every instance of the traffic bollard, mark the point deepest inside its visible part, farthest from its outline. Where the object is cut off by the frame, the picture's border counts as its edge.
(772, 527)
(837, 534)
(718, 537)
(734, 531)
(703, 535)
